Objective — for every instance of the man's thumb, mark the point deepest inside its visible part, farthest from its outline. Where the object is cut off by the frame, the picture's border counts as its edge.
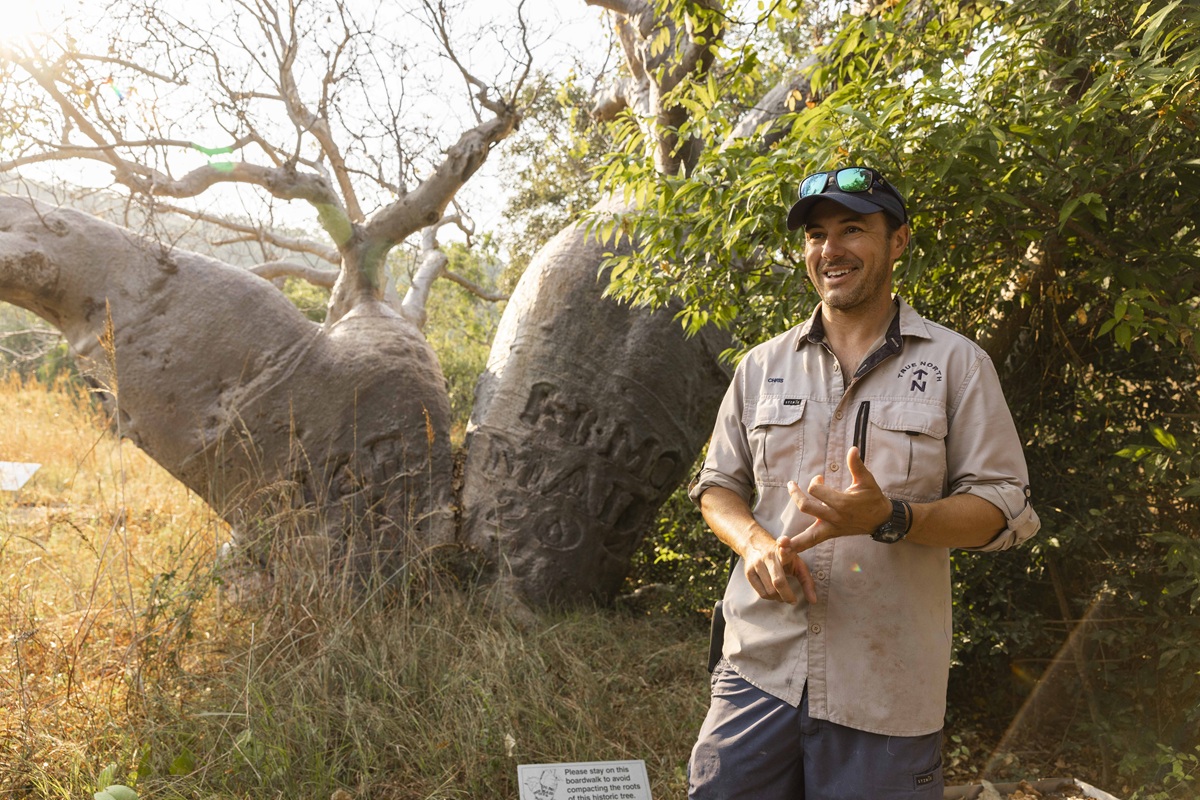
(858, 469)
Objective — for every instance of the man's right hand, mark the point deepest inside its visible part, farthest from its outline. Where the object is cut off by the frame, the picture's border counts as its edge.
(768, 565)
(768, 562)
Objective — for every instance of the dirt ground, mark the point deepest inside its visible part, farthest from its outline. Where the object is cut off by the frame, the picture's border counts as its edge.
(1051, 789)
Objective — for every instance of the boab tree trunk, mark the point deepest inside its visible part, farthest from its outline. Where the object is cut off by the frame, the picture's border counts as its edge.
(218, 377)
(589, 415)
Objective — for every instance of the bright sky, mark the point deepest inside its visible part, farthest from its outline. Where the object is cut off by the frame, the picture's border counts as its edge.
(22, 18)
(565, 31)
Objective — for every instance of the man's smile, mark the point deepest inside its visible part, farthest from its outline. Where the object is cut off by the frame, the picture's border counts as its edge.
(837, 271)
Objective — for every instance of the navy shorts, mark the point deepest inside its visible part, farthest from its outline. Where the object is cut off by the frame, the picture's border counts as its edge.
(754, 745)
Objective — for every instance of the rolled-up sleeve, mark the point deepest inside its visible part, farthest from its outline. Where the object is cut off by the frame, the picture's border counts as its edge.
(984, 456)
(729, 463)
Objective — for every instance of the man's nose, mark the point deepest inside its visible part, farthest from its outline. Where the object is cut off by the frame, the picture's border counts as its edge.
(831, 248)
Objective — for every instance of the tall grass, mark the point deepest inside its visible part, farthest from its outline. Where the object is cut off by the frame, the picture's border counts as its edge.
(124, 650)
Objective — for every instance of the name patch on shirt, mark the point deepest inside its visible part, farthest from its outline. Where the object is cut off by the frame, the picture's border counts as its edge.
(792, 401)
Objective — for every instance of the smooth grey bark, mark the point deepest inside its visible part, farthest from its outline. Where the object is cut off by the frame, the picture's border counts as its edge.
(589, 415)
(274, 420)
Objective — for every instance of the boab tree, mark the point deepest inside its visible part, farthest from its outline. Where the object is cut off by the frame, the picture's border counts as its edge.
(591, 411)
(338, 429)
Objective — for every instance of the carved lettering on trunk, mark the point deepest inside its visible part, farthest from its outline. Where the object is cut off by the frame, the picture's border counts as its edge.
(576, 423)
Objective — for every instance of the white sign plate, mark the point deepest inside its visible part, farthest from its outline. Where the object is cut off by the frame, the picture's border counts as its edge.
(589, 780)
(14, 474)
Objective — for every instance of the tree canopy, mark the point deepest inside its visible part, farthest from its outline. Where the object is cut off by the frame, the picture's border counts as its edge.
(1047, 151)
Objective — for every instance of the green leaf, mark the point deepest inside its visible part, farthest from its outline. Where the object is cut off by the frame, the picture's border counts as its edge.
(1067, 210)
(1123, 333)
(116, 792)
(106, 777)
(183, 764)
(1165, 439)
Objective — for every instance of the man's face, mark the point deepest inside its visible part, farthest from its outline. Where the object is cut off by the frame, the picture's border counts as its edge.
(850, 255)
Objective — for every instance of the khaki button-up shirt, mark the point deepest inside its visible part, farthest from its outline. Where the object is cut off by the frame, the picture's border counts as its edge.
(928, 415)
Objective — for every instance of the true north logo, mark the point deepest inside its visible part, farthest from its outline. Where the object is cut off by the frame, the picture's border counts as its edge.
(792, 401)
(774, 380)
(920, 373)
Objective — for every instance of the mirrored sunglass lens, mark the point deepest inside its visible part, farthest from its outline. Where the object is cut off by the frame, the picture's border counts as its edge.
(854, 180)
(813, 184)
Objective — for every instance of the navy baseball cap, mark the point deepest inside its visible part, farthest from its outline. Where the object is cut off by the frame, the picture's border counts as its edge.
(859, 189)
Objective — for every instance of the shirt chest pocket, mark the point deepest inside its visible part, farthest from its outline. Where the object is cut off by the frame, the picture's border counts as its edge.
(776, 436)
(906, 450)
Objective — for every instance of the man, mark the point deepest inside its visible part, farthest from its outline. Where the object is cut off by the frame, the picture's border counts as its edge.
(870, 441)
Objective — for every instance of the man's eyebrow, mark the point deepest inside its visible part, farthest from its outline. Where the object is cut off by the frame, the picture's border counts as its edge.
(851, 217)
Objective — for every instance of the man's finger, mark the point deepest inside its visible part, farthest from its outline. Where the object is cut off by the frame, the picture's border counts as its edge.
(779, 572)
(808, 502)
(808, 538)
(806, 581)
(859, 474)
(768, 577)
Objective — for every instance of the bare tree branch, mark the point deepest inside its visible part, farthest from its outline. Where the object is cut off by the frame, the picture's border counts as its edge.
(271, 270)
(498, 107)
(425, 204)
(481, 292)
(284, 182)
(433, 266)
(317, 125)
(259, 234)
(133, 66)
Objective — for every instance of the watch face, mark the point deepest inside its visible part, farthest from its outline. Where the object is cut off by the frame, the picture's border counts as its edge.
(888, 533)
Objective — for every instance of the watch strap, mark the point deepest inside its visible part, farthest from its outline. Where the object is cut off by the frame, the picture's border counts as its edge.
(898, 526)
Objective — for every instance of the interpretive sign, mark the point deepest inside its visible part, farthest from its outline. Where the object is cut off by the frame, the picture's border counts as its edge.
(589, 780)
(14, 474)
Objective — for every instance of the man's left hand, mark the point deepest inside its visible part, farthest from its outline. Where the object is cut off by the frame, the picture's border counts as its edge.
(858, 510)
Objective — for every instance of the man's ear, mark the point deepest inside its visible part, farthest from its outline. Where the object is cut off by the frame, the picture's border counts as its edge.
(900, 241)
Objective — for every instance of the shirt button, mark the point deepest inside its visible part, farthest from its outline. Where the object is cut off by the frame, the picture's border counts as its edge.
(833, 467)
(820, 574)
(838, 415)
(815, 627)
(837, 367)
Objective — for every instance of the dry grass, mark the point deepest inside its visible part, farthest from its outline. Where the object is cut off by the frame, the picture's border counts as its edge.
(120, 648)
(92, 549)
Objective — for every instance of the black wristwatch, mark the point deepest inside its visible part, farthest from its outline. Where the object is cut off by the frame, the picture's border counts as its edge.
(897, 527)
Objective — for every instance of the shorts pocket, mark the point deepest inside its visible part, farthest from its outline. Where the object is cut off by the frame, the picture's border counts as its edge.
(929, 783)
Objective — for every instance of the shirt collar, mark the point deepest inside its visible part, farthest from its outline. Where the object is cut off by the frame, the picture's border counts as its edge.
(906, 323)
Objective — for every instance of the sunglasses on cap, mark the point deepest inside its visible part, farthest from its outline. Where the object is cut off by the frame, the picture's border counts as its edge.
(848, 179)
(853, 187)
